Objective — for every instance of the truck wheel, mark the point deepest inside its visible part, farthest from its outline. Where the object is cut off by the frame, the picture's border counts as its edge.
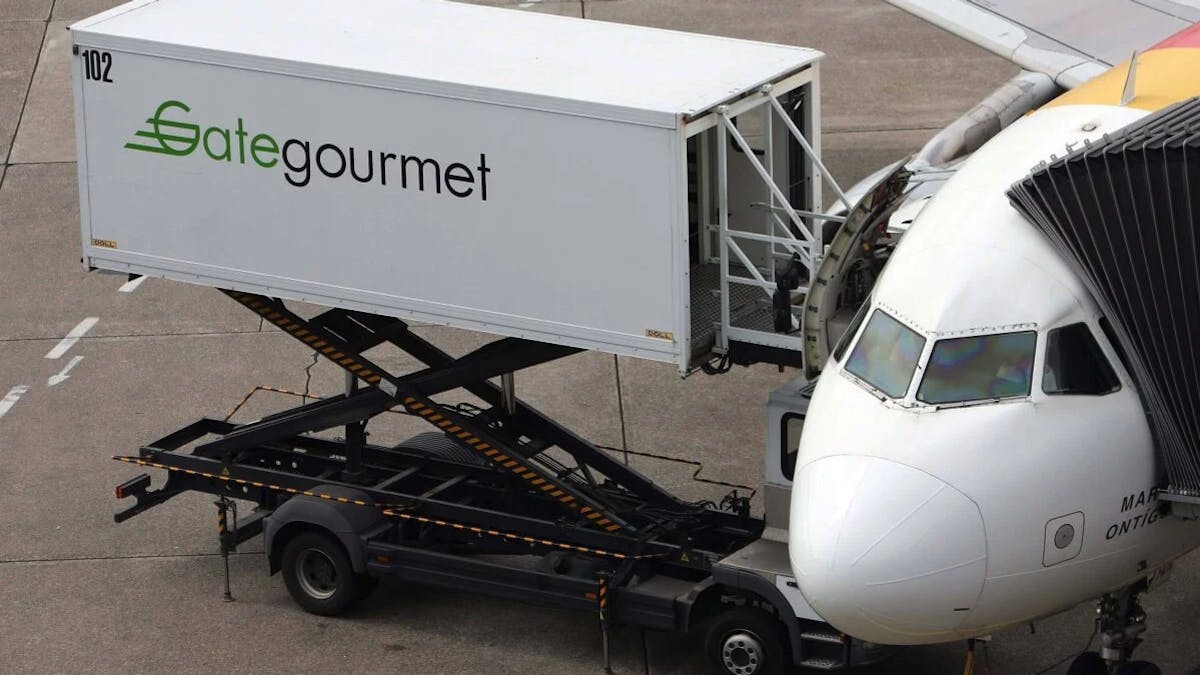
(745, 641)
(318, 574)
(1139, 668)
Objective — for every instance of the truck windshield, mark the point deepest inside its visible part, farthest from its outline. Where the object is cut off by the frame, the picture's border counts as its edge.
(886, 355)
(977, 368)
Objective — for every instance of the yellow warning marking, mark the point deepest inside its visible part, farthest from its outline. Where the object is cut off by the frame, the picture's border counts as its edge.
(387, 509)
(1163, 77)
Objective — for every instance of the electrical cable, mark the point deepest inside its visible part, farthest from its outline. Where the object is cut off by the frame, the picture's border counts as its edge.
(308, 377)
(695, 475)
(1064, 659)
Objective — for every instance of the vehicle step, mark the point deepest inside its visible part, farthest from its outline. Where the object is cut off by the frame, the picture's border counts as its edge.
(829, 636)
(821, 663)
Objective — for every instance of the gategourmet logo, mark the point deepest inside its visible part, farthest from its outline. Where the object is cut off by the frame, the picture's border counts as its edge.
(168, 132)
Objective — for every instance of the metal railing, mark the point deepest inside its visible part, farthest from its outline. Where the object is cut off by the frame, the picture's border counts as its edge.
(791, 233)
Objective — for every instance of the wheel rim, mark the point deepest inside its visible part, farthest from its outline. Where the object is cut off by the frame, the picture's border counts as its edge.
(742, 653)
(316, 573)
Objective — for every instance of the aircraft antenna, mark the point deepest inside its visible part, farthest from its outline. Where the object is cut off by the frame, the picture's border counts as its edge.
(1130, 91)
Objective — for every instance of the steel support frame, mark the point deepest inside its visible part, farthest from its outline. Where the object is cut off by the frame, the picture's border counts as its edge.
(472, 373)
(255, 461)
(808, 246)
(267, 485)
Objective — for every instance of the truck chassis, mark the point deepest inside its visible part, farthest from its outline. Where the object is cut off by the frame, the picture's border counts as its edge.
(479, 504)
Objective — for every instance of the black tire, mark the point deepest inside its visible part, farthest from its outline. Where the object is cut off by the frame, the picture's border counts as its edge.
(442, 445)
(1139, 668)
(745, 641)
(364, 585)
(318, 574)
(1088, 663)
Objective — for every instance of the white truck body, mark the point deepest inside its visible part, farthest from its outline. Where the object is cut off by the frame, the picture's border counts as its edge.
(496, 170)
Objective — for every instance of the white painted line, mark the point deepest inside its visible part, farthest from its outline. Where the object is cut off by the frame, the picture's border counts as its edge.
(72, 337)
(131, 285)
(63, 376)
(10, 399)
(527, 5)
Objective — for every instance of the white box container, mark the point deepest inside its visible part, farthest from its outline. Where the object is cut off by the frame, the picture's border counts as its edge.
(491, 169)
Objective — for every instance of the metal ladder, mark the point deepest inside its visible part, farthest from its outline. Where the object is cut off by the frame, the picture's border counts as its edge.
(795, 236)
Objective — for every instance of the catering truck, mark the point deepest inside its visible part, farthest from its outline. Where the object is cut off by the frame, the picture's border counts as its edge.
(562, 184)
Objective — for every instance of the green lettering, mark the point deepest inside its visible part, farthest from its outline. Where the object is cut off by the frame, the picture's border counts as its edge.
(241, 134)
(267, 146)
(224, 134)
(182, 133)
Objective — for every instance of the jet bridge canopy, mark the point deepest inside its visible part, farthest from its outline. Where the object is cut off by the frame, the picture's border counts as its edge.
(1125, 212)
(581, 183)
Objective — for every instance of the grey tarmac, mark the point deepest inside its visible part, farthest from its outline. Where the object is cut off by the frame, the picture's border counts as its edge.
(85, 595)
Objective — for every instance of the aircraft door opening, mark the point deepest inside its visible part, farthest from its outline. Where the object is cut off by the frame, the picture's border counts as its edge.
(756, 232)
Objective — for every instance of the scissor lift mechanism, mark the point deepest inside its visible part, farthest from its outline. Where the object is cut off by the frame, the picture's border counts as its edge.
(515, 498)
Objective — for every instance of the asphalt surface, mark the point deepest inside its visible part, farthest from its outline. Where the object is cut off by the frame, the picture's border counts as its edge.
(82, 594)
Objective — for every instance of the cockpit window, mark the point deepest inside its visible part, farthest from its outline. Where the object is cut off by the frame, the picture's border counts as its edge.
(978, 368)
(886, 355)
(1075, 364)
(844, 343)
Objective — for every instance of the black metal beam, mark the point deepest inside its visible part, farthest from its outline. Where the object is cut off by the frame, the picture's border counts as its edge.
(491, 360)
(324, 414)
(536, 424)
(253, 482)
(338, 350)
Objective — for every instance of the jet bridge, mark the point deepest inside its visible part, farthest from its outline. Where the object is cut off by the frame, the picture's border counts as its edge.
(1124, 213)
(600, 186)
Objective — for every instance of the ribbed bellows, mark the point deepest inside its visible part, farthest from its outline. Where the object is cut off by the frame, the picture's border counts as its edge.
(1125, 213)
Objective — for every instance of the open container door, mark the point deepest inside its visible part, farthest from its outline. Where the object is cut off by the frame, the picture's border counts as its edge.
(756, 231)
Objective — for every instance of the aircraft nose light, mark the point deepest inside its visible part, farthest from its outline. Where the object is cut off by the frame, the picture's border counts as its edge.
(886, 552)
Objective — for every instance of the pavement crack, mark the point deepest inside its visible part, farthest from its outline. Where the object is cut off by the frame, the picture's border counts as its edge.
(125, 336)
(61, 161)
(25, 101)
(144, 556)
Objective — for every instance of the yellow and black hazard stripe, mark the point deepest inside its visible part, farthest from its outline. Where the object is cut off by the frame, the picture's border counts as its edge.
(392, 510)
(507, 462)
(370, 373)
(602, 599)
(511, 536)
(287, 322)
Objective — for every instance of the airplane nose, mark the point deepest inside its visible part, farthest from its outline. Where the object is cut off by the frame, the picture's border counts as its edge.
(885, 552)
